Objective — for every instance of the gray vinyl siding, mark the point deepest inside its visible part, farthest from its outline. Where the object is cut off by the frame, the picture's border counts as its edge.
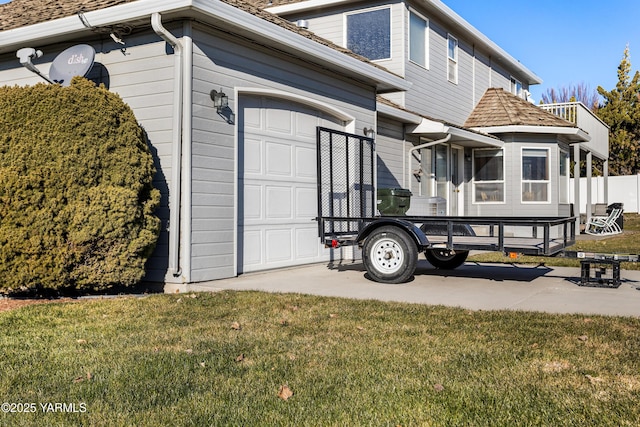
(482, 76)
(390, 152)
(143, 77)
(433, 95)
(221, 62)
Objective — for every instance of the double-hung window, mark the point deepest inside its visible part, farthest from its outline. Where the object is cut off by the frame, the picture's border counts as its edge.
(535, 175)
(488, 175)
(418, 40)
(452, 59)
(369, 33)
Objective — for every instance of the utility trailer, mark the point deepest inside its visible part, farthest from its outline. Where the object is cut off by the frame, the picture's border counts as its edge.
(347, 216)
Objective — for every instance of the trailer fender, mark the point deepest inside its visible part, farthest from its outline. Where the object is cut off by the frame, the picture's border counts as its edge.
(410, 228)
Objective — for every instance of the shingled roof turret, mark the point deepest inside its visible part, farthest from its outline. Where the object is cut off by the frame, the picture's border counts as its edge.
(501, 108)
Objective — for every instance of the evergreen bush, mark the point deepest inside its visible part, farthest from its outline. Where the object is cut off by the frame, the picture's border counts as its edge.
(76, 197)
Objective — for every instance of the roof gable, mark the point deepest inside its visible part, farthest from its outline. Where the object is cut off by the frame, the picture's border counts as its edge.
(501, 108)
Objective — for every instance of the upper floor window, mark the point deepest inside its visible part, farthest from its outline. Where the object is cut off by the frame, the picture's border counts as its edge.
(516, 87)
(535, 175)
(369, 33)
(418, 40)
(452, 59)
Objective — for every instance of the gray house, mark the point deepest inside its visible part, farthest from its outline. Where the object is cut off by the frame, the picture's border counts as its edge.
(517, 164)
(230, 93)
(238, 179)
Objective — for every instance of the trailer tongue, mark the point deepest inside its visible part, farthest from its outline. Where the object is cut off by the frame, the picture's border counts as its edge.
(391, 244)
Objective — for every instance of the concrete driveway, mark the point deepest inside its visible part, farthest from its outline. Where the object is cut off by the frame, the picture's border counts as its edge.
(473, 286)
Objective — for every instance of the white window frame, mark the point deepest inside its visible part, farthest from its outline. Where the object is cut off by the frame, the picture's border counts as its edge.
(516, 87)
(535, 181)
(426, 38)
(564, 156)
(452, 61)
(474, 181)
(361, 11)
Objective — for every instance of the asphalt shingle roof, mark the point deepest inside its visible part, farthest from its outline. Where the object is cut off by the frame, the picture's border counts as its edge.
(19, 13)
(501, 108)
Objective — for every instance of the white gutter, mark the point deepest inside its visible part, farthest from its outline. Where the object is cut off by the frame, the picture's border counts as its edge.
(63, 28)
(420, 147)
(435, 127)
(575, 134)
(176, 155)
(473, 136)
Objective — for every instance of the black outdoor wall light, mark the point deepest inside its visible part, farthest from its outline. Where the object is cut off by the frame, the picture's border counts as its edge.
(220, 100)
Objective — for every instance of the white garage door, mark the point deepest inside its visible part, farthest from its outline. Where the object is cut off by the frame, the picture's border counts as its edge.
(277, 184)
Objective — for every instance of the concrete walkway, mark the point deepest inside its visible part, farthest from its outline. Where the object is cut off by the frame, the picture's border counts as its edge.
(473, 286)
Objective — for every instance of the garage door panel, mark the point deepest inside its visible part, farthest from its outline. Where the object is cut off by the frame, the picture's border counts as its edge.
(306, 164)
(278, 121)
(278, 158)
(278, 203)
(252, 248)
(306, 125)
(252, 203)
(306, 203)
(278, 242)
(253, 156)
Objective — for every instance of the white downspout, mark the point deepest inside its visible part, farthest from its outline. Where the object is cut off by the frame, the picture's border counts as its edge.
(176, 155)
(420, 147)
(187, 134)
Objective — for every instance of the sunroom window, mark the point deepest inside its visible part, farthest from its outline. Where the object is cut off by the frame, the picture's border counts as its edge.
(418, 40)
(488, 175)
(535, 175)
(369, 33)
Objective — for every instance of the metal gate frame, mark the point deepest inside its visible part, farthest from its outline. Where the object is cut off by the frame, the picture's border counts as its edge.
(346, 186)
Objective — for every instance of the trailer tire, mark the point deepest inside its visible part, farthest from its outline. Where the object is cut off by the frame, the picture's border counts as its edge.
(445, 259)
(390, 255)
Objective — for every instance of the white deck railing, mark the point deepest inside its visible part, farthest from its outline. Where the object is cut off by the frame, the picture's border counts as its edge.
(578, 114)
(565, 110)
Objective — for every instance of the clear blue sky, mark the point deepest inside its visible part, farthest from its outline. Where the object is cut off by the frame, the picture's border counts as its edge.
(564, 42)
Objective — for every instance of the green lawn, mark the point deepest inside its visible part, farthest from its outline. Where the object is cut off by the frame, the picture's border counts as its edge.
(221, 359)
(626, 243)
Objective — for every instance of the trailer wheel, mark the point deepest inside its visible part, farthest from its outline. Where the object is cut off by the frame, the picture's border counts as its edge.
(390, 255)
(445, 259)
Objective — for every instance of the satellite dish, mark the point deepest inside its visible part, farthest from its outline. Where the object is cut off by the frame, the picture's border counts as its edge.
(74, 61)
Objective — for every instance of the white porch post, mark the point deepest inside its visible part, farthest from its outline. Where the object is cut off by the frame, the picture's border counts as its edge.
(589, 186)
(576, 186)
(605, 175)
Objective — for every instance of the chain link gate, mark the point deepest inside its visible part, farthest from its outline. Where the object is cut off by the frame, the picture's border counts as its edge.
(346, 190)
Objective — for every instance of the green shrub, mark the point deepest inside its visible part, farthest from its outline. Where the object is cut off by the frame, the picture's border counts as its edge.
(76, 197)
